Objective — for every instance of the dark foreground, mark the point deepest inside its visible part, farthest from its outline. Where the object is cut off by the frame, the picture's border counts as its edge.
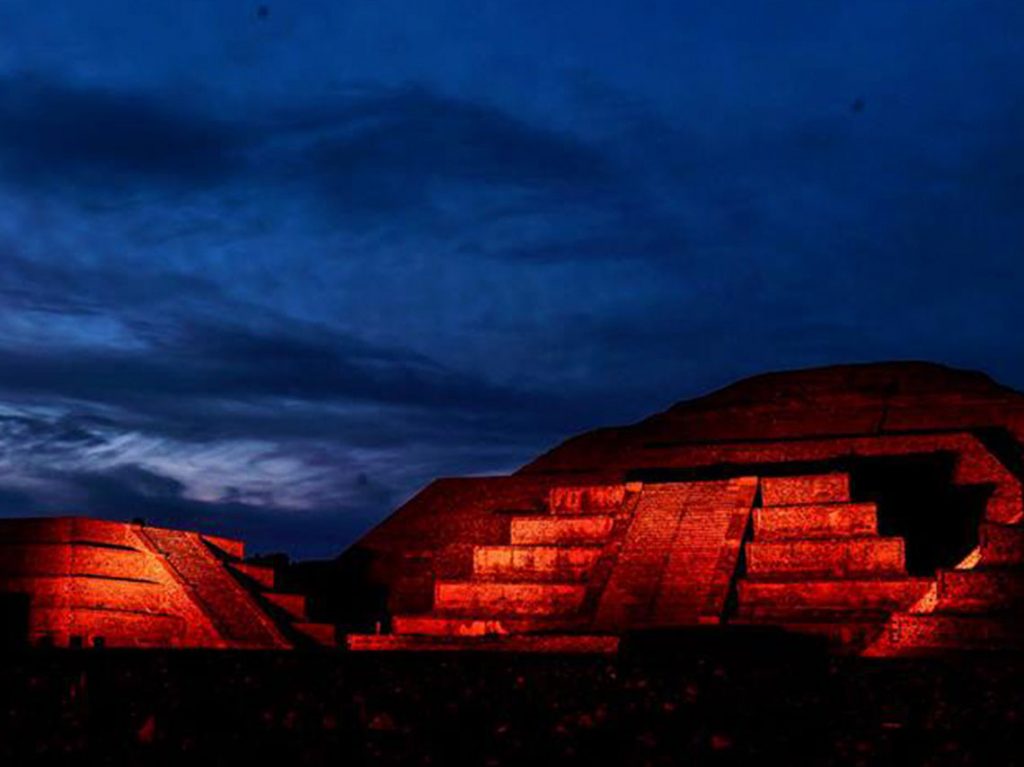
(710, 705)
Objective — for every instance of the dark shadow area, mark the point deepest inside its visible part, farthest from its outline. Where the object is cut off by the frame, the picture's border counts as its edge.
(342, 591)
(918, 502)
(13, 621)
(768, 644)
(750, 699)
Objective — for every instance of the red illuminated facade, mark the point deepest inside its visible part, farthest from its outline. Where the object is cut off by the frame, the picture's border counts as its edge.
(876, 506)
(71, 581)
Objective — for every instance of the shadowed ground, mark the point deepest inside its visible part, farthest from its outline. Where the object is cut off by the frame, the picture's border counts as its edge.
(700, 705)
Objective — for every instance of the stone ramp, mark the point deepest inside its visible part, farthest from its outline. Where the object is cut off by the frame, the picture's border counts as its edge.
(633, 584)
(851, 557)
(678, 555)
(702, 563)
(230, 608)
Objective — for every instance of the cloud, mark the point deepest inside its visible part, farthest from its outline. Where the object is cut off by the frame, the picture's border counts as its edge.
(285, 427)
(54, 132)
(271, 483)
(409, 162)
(133, 492)
(226, 361)
(377, 149)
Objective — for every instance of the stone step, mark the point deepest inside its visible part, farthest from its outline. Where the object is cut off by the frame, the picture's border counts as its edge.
(586, 499)
(536, 563)
(768, 599)
(980, 590)
(914, 633)
(561, 530)
(1001, 544)
(519, 643)
(828, 558)
(262, 574)
(323, 634)
(489, 599)
(442, 625)
(293, 604)
(795, 491)
(837, 520)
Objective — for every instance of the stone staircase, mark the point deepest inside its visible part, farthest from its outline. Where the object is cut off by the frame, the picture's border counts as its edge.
(237, 596)
(531, 591)
(817, 564)
(602, 560)
(975, 606)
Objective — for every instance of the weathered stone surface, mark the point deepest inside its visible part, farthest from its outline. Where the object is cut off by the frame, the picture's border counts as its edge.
(837, 520)
(566, 531)
(981, 590)
(805, 597)
(497, 599)
(124, 585)
(586, 499)
(841, 557)
(629, 596)
(791, 491)
(540, 563)
(910, 634)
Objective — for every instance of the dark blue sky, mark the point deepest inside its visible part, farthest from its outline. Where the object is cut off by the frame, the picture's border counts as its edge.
(268, 273)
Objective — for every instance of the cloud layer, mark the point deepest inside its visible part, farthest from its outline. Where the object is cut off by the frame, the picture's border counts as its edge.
(269, 276)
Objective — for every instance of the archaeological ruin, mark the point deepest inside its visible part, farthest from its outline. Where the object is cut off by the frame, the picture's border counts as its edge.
(877, 507)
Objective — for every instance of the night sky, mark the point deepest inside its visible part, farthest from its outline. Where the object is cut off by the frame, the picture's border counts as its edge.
(268, 269)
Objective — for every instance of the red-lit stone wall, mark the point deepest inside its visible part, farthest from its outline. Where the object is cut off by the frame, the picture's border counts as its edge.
(93, 580)
(91, 583)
